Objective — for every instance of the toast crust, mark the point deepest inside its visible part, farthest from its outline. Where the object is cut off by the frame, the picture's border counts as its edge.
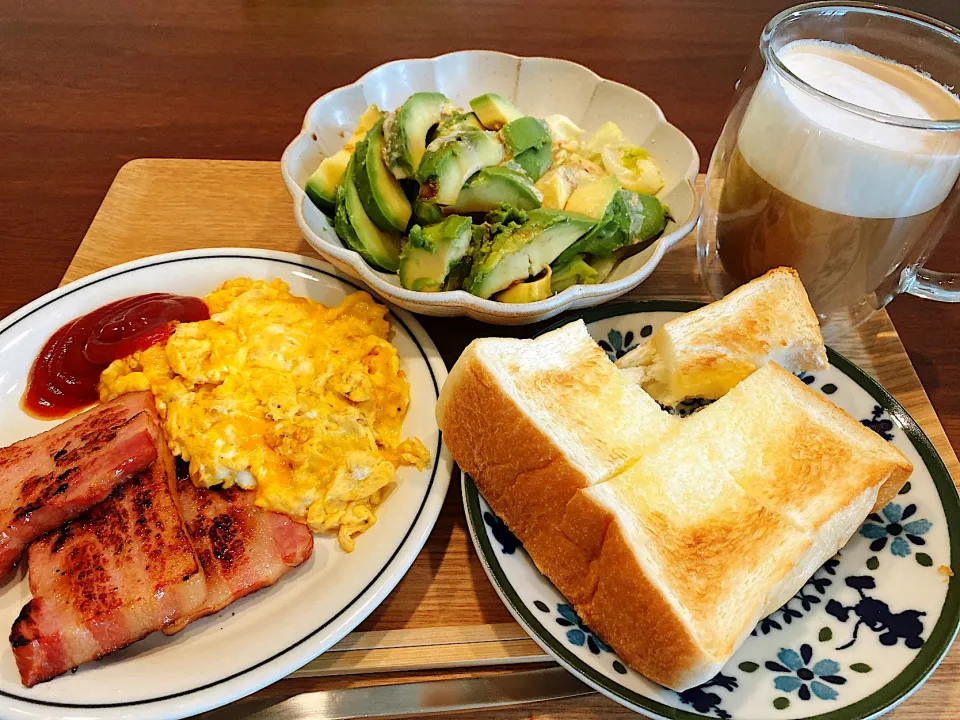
(544, 477)
(522, 419)
(631, 615)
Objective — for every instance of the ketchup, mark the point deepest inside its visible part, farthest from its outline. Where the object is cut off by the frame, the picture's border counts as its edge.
(65, 374)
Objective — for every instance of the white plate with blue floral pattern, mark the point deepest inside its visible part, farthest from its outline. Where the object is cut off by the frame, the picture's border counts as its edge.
(860, 636)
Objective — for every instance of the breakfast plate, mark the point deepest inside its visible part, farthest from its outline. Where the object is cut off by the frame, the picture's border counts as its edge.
(264, 636)
(858, 638)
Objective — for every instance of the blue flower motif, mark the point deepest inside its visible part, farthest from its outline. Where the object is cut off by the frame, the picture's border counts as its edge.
(880, 425)
(579, 634)
(501, 533)
(805, 679)
(617, 344)
(892, 525)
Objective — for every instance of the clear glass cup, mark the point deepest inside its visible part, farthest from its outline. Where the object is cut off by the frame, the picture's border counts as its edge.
(853, 198)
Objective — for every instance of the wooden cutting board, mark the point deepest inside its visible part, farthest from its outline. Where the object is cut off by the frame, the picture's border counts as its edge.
(444, 618)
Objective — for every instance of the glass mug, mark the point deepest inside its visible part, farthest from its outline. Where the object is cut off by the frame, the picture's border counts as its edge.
(853, 192)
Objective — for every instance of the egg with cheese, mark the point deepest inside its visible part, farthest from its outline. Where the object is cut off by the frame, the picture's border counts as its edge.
(301, 403)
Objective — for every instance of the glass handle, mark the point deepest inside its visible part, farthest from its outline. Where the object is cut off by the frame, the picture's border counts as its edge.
(934, 285)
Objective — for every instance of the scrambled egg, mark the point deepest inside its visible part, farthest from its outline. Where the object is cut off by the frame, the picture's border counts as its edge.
(280, 394)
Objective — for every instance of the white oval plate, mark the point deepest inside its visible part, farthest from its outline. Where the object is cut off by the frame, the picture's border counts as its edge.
(540, 86)
(265, 636)
(858, 638)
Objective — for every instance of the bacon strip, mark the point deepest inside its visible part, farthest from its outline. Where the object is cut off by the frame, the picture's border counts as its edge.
(58, 475)
(241, 547)
(109, 578)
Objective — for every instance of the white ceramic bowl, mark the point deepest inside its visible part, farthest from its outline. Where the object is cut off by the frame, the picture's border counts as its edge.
(539, 86)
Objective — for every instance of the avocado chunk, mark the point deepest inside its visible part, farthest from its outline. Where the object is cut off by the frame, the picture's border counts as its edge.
(535, 161)
(528, 141)
(380, 192)
(625, 219)
(458, 122)
(449, 161)
(524, 133)
(494, 111)
(405, 131)
(648, 217)
(575, 271)
(321, 186)
(518, 245)
(458, 273)
(356, 229)
(494, 185)
(557, 186)
(592, 197)
(431, 253)
(528, 291)
(426, 213)
(605, 265)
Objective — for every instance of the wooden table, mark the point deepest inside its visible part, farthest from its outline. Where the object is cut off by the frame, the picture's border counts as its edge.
(87, 86)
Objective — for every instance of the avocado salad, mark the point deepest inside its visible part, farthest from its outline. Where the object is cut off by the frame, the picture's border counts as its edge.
(491, 201)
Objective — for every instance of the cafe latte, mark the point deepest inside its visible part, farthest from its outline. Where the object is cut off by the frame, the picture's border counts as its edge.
(844, 199)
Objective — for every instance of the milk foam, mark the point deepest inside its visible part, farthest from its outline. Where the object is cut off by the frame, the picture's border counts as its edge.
(837, 160)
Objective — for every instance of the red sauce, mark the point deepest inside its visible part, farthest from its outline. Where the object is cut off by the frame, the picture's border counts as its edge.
(65, 374)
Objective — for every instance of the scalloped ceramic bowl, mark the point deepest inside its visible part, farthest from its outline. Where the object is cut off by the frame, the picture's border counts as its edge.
(539, 86)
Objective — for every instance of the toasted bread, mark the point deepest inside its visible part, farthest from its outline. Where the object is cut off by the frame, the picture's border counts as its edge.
(532, 422)
(706, 352)
(684, 569)
(671, 537)
(722, 523)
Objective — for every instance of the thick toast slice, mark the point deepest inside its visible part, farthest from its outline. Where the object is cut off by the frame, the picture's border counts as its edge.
(722, 523)
(533, 422)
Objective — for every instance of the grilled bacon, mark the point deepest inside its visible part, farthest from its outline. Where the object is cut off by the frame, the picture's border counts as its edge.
(108, 578)
(58, 475)
(241, 547)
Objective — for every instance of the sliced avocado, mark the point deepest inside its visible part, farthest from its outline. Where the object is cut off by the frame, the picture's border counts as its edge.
(458, 273)
(605, 265)
(494, 185)
(528, 291)
(629, 219)
(556, 186)
(535, 161)
(321, 186)
(524, 133)
(575, 271)
(458, 122)
(512, 252)
(592, 197)
(648, 217)
(612, 232)
(494, 110)
(380, 192)
(356, 229)
(449, 161)
(405, 131)
(426, 213)
(431, 252)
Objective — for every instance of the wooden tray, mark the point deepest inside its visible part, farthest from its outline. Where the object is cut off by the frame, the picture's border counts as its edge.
(444, 618)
